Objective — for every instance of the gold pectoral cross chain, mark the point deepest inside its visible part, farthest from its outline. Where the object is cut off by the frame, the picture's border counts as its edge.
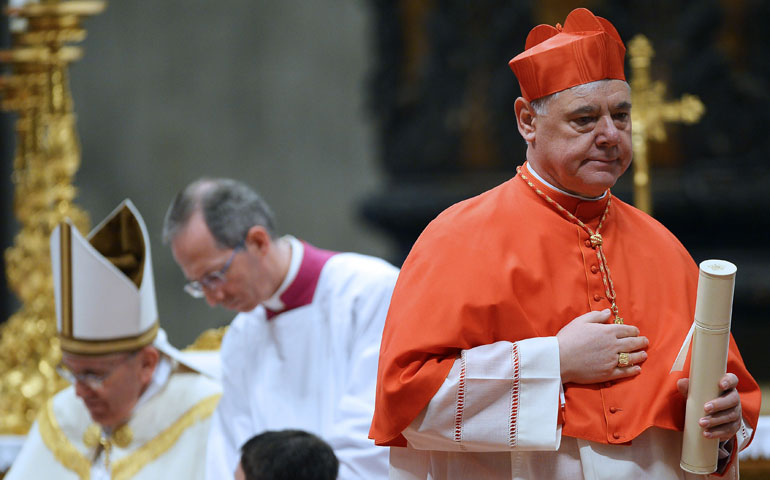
(594, 237)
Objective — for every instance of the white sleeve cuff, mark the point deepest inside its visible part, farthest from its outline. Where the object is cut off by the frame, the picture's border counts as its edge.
(497, 397)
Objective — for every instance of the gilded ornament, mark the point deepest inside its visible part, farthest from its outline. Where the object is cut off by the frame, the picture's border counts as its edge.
(92, 435)
(122, 436)
(210, 339)
(623, 360)
(649, 114)
(46, 158)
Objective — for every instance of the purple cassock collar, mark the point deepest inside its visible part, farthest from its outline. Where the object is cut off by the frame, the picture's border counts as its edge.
(299, 286)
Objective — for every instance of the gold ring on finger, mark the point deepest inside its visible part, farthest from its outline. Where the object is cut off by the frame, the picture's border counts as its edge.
(623, 360)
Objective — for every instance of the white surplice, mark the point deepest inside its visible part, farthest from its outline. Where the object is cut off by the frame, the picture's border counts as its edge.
(480, 434)
(311, 367)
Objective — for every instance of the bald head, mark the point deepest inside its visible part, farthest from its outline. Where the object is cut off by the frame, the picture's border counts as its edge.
(229, 209)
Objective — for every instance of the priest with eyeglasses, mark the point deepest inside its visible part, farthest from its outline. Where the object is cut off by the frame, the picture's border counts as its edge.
(302, 351)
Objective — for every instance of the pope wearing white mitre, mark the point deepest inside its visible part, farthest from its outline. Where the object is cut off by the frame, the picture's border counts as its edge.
(137, 407)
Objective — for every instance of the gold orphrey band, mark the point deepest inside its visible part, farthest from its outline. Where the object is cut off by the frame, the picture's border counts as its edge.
(113, 345)
(594, 237)
(65, 241)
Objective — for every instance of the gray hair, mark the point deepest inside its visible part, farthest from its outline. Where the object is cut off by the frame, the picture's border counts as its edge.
(230, 208)
(540, 105)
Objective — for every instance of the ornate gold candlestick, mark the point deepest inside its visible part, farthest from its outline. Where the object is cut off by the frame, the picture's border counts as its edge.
(45, 161)
(649, 113)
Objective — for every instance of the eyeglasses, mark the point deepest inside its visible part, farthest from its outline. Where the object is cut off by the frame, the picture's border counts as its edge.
(211, 280)
(93, 381)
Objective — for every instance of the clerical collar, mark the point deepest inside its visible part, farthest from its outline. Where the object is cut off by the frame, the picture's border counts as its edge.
(547, 184)
(297, 252)
(298, 288)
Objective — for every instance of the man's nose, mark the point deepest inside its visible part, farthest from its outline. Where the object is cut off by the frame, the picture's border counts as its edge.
(82, 389)
(607, 133)
(214, 296)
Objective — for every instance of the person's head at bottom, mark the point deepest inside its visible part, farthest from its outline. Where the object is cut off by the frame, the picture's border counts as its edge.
(287, 455)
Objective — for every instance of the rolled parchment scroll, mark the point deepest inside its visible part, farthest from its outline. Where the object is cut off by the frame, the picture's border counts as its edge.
(708, 361)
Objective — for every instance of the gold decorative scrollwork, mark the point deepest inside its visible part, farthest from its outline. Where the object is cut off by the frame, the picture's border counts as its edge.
(36, 88)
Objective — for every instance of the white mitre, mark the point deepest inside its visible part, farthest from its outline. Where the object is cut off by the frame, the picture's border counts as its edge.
(105, 291)
(101, 308)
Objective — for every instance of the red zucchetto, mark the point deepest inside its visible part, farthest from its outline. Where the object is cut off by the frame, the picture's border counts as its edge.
(586, 49)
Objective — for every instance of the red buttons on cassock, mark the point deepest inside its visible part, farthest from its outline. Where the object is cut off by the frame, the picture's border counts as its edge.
(616, 435)
(594, 269)
(597, 298)
(588, 243)
(613, 409)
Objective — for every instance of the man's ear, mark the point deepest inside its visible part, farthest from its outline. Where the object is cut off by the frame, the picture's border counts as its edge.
(525, 119)
(149, 357)
(258, 239)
